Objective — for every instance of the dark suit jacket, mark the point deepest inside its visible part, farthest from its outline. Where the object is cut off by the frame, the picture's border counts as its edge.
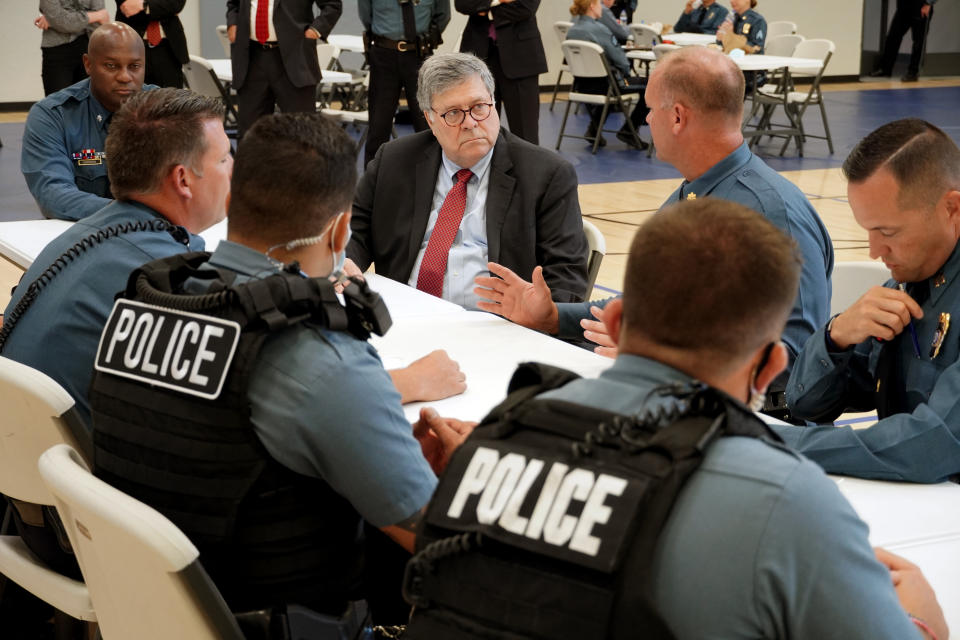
(291, 18)
(533, 212)
(167, 12)
(518, 39)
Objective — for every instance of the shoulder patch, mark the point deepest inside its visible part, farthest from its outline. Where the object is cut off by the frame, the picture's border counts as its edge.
(178, 350)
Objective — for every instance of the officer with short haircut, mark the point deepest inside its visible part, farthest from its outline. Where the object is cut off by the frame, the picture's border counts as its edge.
(306, 415)
(541, 532)
(399, 35)
(63, 158)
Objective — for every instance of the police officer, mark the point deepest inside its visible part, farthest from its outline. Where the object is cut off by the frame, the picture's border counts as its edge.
(62, 158)
(895, 349)
(312, 415)
(913, 16)
(706, 18)
(399, 35)
(746, 22)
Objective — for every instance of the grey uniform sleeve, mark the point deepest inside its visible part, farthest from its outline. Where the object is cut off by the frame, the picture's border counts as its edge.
(64, 18)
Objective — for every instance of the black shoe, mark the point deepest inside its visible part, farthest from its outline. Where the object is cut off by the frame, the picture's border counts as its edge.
(878, 73)
(592, 133)
(629, 140)
(910, 77)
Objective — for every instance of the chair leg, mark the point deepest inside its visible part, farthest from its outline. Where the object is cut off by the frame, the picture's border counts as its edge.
(603, 121)
(826, 127)
(563, 126)
(556, 88)
(629, 123)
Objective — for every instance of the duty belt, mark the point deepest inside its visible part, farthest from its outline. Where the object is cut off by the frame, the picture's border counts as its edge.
(394, 45)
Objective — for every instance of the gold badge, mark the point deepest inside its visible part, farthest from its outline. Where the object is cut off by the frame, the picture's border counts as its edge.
(942, 327)
(691, 196)
(746, 28)
(939, 280)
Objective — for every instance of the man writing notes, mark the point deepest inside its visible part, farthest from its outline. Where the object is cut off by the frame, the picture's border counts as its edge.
(433, 208)
(894, 349)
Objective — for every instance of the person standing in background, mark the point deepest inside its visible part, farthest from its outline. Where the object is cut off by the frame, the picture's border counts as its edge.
(158, 23)
(625, 6)
(399, 37)
(706, 17)
(913, 16)
(66, 26)
(504, 34)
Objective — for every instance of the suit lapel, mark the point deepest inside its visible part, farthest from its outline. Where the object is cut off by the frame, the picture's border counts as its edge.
(426, 182)
(499, 194)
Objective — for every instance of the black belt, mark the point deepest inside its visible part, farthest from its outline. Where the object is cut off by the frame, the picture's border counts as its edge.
(394, 45)
(266, 46)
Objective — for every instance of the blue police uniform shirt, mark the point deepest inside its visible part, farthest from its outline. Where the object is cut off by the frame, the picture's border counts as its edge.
(920, 440)
(744, 178)
(323, 405)
(385, 17)
(60, 331)
(702, 19)
(759, 538)
(752, 25)
(586, 28)
(63, 157)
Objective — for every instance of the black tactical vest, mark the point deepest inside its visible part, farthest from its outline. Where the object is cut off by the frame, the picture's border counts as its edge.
(266, 535)
(545, 522)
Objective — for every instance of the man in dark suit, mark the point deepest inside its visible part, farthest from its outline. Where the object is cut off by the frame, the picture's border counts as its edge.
(435, 207)
(274, 53)
(504, 34)
(158, 23)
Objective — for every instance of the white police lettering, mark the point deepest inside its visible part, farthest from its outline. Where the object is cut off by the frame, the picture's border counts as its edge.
(502, 484)
(174, 349)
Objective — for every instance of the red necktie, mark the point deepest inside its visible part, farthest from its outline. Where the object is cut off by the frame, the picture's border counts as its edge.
(434, 263)
(263, 15)
(153, 33)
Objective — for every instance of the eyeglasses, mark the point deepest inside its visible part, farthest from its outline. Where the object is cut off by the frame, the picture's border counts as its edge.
(454, 117)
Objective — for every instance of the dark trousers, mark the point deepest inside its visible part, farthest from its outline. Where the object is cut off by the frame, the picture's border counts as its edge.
(906, 18)
(63, 65)
(267, 86)
(520, 96)
(162, 67)
(622, 5)
(600, 86)
(390, 71)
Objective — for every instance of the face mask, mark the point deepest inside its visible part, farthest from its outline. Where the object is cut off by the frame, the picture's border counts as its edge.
(339, 258)
(755, 398)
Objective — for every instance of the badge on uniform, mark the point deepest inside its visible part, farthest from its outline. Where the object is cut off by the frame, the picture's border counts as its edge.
(746, 28)
(88, 157)
(938, 336)
(186, 352)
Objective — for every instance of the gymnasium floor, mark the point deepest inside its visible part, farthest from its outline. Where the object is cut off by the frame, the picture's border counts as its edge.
(620, 187)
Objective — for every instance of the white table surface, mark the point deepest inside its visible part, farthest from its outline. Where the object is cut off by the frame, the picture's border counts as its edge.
(690, 39)
(760, 62)
(224, 71)
(641, 54)
(346, 42)
(919, 522)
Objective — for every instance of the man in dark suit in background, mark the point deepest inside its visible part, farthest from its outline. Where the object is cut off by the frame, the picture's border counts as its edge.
(433, 208)
(158, 23)
(274, 53)
(504, 34)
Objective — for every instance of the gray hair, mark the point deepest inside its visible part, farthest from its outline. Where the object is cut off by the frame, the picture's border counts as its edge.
(445, 70)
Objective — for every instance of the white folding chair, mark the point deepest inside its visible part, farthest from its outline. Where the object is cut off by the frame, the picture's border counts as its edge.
(560, 29)
(359, 119)
(852, 279)
(37, 414)
(201, 78)
(587, 60)
(795, 103)
(142, 571)
(224, 39)
(598, 248)
(645, 35)
(780, 28)
(782, 45)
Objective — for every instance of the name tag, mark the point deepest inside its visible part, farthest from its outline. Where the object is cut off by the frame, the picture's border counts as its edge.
(186, 352)
(522, 498)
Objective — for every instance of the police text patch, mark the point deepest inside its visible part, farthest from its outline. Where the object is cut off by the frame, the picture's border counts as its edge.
(573, 512)
(183, 351)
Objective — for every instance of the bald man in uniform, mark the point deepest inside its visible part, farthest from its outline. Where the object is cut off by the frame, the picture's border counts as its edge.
(63, 159)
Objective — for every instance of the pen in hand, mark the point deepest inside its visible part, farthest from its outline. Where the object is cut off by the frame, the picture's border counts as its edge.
(913, 330)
